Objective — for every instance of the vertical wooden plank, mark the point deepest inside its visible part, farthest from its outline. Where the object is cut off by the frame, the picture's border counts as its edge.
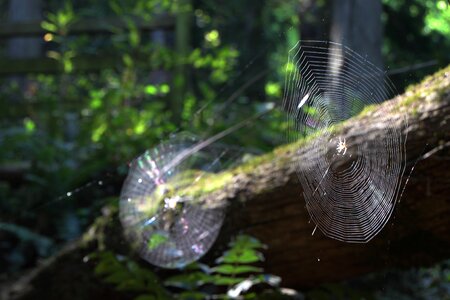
(25, 11)
(182, 47)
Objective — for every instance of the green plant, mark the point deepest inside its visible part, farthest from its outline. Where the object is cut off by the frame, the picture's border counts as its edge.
(57, 25)
(235, 272)
(127, 275)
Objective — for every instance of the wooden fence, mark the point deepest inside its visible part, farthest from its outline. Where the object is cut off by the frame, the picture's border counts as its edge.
(10, 66)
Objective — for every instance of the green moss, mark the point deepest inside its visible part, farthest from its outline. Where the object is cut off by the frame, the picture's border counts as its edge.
(416, 93)
(207, 184)
(368, 109)
(213, 182)
(438, 83)
(414, 112)
(193, 184)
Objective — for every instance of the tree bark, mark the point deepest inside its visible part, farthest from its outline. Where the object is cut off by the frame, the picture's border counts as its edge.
(266, 201)
(418, 232)
(357, 25)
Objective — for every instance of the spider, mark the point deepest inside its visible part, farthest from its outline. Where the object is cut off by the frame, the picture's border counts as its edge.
(342, 146)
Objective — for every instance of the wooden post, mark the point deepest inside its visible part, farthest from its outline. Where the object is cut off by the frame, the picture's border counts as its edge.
(182, 47)
(24, 47)
(24, 11)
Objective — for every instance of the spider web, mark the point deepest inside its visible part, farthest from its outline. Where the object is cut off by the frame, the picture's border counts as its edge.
(169, 229)
(350, 189)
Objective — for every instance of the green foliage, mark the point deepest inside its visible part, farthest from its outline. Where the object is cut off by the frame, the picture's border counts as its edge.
(412, 31)
(66, 129)
(126, 275)
(156, 240)
(58, 25)
(438, 17)
(243, 250)
(60, 21)
(234, 274)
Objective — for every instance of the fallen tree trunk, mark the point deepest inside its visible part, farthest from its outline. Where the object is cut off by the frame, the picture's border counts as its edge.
(418, 232)
(266, 201)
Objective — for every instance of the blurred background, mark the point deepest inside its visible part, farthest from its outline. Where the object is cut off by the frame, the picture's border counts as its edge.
(86, 86)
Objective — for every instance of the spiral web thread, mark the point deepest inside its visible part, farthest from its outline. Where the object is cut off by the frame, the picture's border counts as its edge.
(350, 189)
(170, 230)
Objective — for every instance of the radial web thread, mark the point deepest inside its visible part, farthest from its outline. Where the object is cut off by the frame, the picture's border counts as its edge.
(350, 188)
(168, 229)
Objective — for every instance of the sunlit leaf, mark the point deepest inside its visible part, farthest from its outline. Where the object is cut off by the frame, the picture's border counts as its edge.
(273, 89)
(310, 110)
(165, 88)
(155, 240)
(241, 256)
(49, 26)
(98, 132)
(29, 125)
(151, 90)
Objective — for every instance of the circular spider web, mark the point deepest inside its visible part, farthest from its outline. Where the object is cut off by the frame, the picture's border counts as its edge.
(169, 229)
(350, 188)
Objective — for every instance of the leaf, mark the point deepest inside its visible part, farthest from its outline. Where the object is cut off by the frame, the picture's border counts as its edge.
(192, 295)
(131, 285)
(136, 270)
(189, 281)
(225, 280)
(127, 60)
(117, 277)
(49, 26)
(134, 37)
(198, 266)
(232, 269)
(243, 251)
(151, 90)
(310, 110)
(54, 55)
(246, 241)
(107, 264)
(251, 296)
(68, 65)
(241, 256)
(155, 240)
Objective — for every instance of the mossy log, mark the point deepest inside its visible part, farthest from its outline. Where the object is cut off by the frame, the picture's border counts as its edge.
(266, 201)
